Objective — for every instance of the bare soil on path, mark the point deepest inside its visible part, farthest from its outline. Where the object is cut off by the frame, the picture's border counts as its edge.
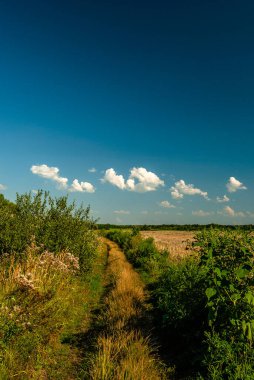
(123, 349)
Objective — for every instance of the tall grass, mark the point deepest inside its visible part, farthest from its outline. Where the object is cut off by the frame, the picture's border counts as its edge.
(43, 300)
(51, 277)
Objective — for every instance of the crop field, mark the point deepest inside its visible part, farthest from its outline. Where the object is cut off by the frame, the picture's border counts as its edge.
(176, 242)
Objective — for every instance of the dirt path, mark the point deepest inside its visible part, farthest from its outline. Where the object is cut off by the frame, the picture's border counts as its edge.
(123, 349)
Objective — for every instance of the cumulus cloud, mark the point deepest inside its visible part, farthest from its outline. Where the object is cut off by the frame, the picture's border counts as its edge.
(181, 188)
(113, 178)
(2, 187)
(122, 212)
(48, 172)
(229, 211)
(166, 204)
(222, 199)
(86, 187)
(52, 173)
(201, 213)
(140, 180)
(92, 170)
(233, 185)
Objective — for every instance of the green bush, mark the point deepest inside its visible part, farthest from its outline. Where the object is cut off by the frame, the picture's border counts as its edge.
(52, 223)
(204, 304)
(227, 258)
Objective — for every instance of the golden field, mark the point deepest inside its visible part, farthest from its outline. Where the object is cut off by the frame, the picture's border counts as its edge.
(175, 242)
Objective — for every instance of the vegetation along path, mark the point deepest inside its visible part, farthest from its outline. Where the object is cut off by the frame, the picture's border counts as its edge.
(123, 349)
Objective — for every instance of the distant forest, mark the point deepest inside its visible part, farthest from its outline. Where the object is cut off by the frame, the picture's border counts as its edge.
(176, 227)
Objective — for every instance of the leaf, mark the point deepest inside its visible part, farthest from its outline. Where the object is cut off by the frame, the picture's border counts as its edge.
(244, 327)
(249, 298)
(210, 253)
(210, 292)
(218, 272)
(224, 273)
(235, 297)
(241, 272)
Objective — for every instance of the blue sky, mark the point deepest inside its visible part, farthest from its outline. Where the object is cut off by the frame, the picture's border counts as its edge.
(161, 93)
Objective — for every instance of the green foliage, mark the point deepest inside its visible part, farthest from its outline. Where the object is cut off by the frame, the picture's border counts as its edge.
(142, 253)
(53, 223)
(204, 305)
(227, 259)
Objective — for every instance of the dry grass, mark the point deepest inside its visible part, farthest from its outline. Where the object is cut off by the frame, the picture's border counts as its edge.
(42, 297)
(175, 242)
(123, 353)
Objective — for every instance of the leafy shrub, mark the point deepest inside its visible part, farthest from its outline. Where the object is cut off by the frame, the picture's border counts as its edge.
(204, 305)
(52, 223)
(142, 253)
(227, 258)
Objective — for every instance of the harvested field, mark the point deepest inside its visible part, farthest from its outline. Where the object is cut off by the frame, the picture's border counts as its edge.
(173, 241)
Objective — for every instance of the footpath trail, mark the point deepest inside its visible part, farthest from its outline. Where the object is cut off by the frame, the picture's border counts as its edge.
(123, 349)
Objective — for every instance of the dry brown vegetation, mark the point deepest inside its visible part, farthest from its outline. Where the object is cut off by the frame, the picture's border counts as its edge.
(175, 242)
(123, 351)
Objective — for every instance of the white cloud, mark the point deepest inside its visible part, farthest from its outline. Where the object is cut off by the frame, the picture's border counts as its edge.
(222, 199)
(146, 181)
(231, 212)
(175, 193)
(233, 185)
(86, 187)
(140, 180)
(92, 170)
(50, 173)
(201, 213)
(2, 187)
(144, 212)
(113, 178)
(122, 212)
(181, 188)
(166, 204)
